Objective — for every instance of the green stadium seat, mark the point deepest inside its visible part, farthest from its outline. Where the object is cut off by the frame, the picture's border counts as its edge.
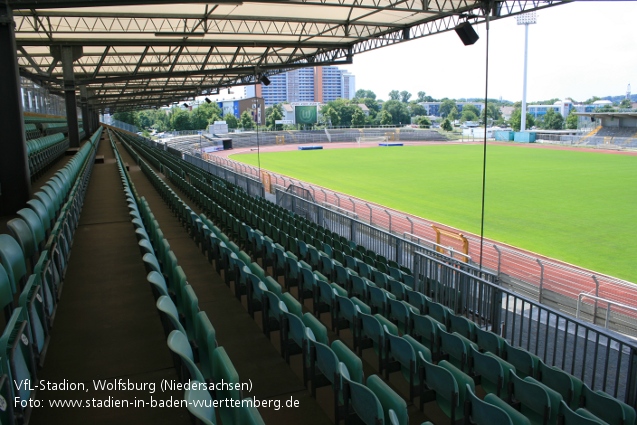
(450, 386)
(206, 339)
(489, 341)
(224, 370)
(363, 402)
(569, 417)
(598, 405)
(35, 224)
(394, 407)
(482, 413)
(533, 399)
(516, 417)
(12, 258)
(183, 357)
(200, 403)
(169, 315)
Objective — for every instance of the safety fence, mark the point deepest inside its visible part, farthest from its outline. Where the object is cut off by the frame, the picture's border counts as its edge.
(603, 360)
(559, 285)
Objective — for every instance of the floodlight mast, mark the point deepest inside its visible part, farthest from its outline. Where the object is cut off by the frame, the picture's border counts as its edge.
(525, 19)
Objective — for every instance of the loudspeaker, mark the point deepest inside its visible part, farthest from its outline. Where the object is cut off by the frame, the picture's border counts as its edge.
(265, 80)
(467, 34)
(207, 100)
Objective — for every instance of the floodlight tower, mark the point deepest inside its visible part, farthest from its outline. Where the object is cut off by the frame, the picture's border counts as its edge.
(525, 19)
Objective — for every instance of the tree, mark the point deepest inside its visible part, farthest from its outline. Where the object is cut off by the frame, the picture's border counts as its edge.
(446, 125)
(416, 110)
(422, 96)
(129, 117)
(331, 115)
(516, 120)
(398, 111)
(358, 117)
(272, 114)
(571, 120)
(231, 120)
(468, 115)
(201, 115)
(446, 106)
(245, 121)
(394, 95)
(423, 122)
(179, 119)
(384, 117)
(552, 120)
(453, 114)
(625, 104)
(492, 111)
(365, 94)
(471, 108)
(404, 96)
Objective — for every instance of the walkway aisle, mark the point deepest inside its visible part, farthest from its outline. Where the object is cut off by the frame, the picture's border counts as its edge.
(252, 354)
(119, 335)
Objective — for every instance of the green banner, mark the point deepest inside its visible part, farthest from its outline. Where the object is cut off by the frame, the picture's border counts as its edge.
(305, 114)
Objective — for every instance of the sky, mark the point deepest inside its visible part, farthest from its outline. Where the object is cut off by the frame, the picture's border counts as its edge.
(577, 50)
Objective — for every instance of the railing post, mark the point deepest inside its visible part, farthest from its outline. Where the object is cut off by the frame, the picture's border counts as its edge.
(388, 215)
(631, 382)
(338, 200)
(370, 213)
(416, 272)
(353, 205)
(324, 194)
(541, 279)
(411, 223)
(597, 295)
(499, 257)
(399, 252)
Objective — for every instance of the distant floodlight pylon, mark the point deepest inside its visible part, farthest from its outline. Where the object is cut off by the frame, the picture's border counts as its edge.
(525, 19)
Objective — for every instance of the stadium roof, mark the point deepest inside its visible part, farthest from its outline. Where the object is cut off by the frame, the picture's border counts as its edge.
(147, 53)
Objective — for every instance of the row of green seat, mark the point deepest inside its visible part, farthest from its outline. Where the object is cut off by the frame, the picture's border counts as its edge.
(319, 359)
(462, 326)
(190, 335)
(45, 150)
(41, 237)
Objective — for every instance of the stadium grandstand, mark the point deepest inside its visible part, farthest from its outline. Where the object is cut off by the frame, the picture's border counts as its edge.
(143, 284)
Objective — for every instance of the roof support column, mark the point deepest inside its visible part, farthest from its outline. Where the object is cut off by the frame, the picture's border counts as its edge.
(15, 178)
(86, 117)
(69, 54)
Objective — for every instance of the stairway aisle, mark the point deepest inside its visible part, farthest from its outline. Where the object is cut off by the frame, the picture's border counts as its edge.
(107, 326)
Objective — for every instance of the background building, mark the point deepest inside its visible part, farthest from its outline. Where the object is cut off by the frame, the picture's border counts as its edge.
(319, 84)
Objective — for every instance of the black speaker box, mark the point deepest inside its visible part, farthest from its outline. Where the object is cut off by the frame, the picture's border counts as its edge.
(467, 34)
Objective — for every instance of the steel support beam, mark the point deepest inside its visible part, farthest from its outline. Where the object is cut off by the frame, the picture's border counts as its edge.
(15, 178)
(69, 96)
(85, 111)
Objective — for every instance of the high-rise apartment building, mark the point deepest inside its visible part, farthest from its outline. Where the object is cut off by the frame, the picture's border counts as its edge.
(318, 84)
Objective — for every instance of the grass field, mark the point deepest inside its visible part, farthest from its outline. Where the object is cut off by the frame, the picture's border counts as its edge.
(579, 207)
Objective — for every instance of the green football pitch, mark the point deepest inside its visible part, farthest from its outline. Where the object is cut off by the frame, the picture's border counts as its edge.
(579, 207)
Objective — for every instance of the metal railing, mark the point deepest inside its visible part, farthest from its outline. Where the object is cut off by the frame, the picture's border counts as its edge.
(124, 126)
(600, 358)
(546, 280)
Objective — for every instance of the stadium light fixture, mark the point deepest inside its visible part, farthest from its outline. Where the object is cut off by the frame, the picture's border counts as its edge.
(265, 80)
(525, 19)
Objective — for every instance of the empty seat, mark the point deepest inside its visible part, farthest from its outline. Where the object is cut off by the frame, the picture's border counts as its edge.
(12, 259)
(200, 403)
(223, 371)
(183, 357)
(483, 413)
